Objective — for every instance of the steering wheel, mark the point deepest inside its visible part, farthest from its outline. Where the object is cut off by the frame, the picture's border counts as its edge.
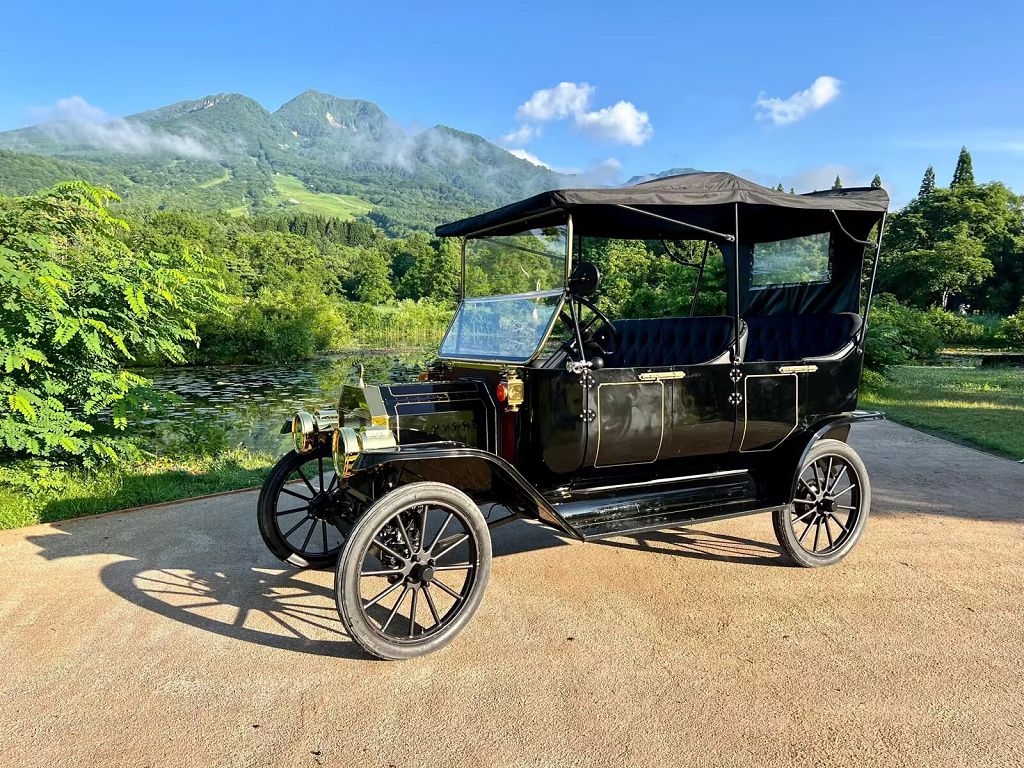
(587, 333)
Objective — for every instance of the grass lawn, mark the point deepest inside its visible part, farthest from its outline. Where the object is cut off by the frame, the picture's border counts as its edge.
(63, 495)
(980, 406)
(293, 192)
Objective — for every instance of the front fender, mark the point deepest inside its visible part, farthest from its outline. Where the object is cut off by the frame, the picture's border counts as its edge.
(455, 463)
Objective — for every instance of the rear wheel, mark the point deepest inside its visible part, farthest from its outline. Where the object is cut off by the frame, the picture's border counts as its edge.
(414, 570)
(830, 508)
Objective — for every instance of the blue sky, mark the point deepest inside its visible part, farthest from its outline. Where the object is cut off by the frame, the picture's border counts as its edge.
(896, 86)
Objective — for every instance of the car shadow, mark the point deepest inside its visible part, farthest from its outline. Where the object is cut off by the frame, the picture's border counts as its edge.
(699, 544)
(233, 588)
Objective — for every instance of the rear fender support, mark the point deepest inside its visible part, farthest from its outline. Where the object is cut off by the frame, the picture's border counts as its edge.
(461, 465)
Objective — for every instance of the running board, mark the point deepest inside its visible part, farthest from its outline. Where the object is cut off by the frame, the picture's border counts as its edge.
(658, 504)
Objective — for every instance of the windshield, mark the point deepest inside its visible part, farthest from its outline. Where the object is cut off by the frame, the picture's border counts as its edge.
(504, 329)
(529, 262)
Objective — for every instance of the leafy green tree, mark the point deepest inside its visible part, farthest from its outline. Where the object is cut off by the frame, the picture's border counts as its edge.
(371, 280)
(78, 305)
(963, 176)
(876, 183)
(779, 187)
(955, 262)
(838, 183)
(991, 213)
(927, 183)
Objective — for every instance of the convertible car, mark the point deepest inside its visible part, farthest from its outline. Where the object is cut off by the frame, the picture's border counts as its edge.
(735, 401)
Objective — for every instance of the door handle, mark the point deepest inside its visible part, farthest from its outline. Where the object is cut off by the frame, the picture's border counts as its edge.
(797, 368)
(661, 376)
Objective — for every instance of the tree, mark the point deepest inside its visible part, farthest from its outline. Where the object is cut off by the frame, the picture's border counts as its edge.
(779, 187)
(927, 183)
(963, 176)
(876, 183)
(838, 183)
(78, 306)
(991, 213)
(954, 263)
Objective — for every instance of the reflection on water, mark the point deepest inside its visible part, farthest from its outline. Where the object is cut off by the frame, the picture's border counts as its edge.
(227, 406)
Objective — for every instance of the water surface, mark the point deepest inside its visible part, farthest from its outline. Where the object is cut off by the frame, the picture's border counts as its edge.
(226, 406)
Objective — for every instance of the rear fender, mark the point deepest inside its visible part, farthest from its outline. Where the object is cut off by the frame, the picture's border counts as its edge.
(837, 428)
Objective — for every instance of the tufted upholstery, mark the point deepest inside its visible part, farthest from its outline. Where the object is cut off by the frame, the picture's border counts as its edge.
(798, 337)
(665, 341)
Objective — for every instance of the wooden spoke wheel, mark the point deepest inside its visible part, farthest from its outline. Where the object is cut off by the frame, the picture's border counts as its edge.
(830, 508)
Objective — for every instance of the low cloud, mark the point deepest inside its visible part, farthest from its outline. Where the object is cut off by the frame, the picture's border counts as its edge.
(75, 120)
(798, 106)
(529, 157)
(822, 177)
(621, 123)
(520, 135)
(604, 174)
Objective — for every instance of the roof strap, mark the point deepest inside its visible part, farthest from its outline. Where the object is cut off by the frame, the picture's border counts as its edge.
(866, 243)
(729, 238)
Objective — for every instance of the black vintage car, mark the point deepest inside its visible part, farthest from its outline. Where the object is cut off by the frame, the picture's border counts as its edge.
(543, 407)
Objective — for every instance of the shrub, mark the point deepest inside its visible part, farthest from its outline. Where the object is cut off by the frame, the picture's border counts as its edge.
(275, 327)
(1011, 331)
(898, 334)
(872, 380)
(956, 329)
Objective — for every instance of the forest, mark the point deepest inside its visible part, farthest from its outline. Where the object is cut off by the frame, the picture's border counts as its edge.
(95, 290)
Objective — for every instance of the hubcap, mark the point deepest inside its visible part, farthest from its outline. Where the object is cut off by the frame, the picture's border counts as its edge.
(429, 567)
(827, 506)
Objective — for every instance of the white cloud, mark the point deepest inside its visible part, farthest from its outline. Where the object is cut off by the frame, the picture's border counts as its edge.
(798, 106)
(529, 157)
(75, 119)
(622, 123)
(563, 100)
(520, 135)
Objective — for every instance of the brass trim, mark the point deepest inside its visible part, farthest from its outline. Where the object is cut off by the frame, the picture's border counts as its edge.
(797, 368)
(597, 397)
(662, 376)
(746, 401)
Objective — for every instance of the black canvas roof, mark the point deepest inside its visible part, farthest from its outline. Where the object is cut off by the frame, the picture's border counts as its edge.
(702, 199)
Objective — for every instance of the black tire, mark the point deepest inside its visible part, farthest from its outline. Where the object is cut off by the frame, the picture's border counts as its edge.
(312, 541)
(821, 506)
(397, 547)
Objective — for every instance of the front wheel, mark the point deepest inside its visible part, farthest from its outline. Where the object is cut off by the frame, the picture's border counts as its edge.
(298, 509)
(830, 508)
(413, 571)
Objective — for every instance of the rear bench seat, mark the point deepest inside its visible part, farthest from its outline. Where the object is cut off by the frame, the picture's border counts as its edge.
(776, 338)
(666, 341)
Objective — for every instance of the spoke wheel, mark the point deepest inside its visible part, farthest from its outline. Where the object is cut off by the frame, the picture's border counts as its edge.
(299, 506)
(830, 507)
(414, 570)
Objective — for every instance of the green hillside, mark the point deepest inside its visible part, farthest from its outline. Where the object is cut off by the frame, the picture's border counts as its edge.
(292, 193)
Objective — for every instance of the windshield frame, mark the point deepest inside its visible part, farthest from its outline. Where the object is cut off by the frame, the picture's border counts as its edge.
(481, 233)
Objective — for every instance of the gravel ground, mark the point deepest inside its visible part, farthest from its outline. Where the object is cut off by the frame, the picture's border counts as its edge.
(170, 637)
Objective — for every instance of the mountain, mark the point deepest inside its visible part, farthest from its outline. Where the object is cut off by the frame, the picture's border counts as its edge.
(227, 151)
(653, 176)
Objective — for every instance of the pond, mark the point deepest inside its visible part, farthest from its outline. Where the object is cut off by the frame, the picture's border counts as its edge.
(217, 407)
